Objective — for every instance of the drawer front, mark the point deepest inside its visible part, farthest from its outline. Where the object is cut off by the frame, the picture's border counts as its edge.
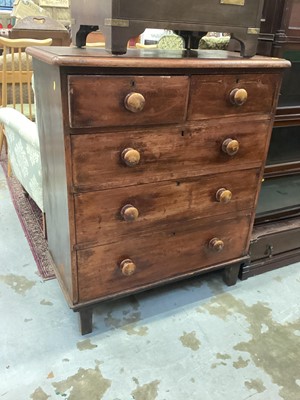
(113, 215)
(168, 153)
(96, 101)
(275, 243)
(165, 254)
(216, 95)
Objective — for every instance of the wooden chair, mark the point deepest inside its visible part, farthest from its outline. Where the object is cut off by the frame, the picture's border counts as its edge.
(15, 77)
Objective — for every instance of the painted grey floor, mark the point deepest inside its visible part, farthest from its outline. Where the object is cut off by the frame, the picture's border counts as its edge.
(194, 340)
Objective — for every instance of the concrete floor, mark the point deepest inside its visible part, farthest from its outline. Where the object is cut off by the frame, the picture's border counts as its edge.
(194, 340)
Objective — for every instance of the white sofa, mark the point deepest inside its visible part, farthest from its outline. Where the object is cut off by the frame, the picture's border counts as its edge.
(24, 152)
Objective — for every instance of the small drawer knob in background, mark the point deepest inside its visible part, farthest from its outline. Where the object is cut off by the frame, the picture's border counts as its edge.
(134, 102)
(230, 146)
(129, 213)
(238, 97)
(216, 245)
(130, 157)
(224, 196)
(127, 267)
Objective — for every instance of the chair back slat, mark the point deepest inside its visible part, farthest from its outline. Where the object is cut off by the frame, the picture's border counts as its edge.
(16, 74)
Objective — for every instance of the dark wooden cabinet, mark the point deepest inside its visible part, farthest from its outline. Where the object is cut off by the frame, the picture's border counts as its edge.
(276, 234)
(151, 166)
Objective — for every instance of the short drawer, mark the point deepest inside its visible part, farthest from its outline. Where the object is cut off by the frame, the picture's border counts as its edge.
(225, 95)
(169, 253)
(100, 161)
(96, 101)
(109, 216)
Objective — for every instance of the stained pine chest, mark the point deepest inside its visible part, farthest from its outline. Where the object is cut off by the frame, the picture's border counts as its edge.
(151, 165)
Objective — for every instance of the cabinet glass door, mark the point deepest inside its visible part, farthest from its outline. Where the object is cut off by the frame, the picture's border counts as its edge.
(279, 197)
(285, 145)
(290, 88)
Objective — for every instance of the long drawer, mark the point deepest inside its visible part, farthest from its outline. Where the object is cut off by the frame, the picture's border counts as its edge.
(96, 101)
(99, 160)
(167, 253)
(271, 239)
(108, 216)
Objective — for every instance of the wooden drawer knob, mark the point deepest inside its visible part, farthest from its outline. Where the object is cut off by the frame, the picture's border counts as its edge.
(216, 245)
(134, 102)
(223, 196)
(238, 97)
(131, 157)
(230, 146)
(128, 267)
(129, 213)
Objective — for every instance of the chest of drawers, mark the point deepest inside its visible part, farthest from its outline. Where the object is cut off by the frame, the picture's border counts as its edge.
(151, 165)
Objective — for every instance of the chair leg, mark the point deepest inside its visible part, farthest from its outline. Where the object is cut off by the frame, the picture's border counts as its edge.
(8, 168)
(5, 145)
(2, 137)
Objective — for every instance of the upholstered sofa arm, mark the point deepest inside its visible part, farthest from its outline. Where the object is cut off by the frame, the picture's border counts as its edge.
(18, 122)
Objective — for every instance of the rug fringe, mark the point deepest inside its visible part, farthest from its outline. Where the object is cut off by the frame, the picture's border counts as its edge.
(30, 217)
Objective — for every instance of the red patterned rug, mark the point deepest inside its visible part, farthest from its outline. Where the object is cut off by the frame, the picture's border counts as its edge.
(30, 217)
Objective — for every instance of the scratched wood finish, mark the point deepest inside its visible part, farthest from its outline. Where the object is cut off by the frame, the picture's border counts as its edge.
(210, 95)
(203, 62)
(167, 153)
(167, 253)
(180, 165)
(99, 221)
(96, 101)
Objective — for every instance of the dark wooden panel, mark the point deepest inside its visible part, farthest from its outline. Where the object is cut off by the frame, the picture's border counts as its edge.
(271, 239)
(291, 19)
(269, 264)
(96, 101)
(98, 214)
(210, 95)
(169, 153)
(168, 253)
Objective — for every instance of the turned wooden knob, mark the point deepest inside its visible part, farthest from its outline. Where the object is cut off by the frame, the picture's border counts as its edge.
(131, 157)
(238, 97)
(230, 146)
(134, 102)
(216, 245)
(128, 267)
(223, 196)
(129, 213)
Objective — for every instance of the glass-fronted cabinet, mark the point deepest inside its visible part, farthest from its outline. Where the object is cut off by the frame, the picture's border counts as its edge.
(276, 235)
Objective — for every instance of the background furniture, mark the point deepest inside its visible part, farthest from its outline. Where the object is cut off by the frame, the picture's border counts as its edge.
(276, 235)
(16, 74)
(41, 28)
(124, 19)
(24, 152)
(161, 181)
(16, 115)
